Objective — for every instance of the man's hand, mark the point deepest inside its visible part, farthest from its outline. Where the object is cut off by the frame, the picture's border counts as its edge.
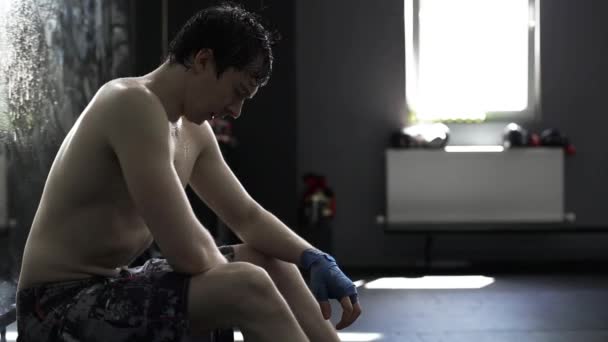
(327, 281)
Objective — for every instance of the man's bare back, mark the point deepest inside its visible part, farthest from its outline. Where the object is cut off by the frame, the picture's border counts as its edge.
(86, 223)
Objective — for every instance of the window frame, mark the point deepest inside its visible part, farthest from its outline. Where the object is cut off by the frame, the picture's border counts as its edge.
(533, 110)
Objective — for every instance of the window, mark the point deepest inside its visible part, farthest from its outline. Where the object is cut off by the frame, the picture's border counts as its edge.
(472, 59)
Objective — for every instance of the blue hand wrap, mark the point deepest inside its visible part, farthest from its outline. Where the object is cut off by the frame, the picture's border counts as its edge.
(326, 279)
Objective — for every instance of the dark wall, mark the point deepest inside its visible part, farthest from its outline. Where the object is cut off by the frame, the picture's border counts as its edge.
(350, 91)
(148, 34)
(574, 45)
(350, 97)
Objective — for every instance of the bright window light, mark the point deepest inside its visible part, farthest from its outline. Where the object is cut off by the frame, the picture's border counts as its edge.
(11, 336)
(468, 58)
(345, 337)
(475, 148)
(431, 282)
(359, 337)
(359, 283)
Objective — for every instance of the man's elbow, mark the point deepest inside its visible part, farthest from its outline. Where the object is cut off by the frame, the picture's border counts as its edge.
(247, 217)
(240, 219)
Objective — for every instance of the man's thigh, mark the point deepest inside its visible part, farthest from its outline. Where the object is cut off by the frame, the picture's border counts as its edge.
(217, 298)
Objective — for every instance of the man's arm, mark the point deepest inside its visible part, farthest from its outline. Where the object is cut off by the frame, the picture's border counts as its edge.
(216, 185)
(136, 127)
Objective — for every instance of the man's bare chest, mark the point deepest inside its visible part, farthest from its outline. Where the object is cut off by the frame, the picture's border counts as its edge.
(184, 149)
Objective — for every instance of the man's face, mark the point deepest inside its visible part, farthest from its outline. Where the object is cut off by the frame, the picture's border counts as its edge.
(231, 90)
(211, 97)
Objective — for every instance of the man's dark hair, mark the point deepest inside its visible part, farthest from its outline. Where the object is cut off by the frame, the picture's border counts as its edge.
(236, 37)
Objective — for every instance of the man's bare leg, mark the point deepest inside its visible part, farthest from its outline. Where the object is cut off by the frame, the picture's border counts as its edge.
(292, 286)
(243, 295)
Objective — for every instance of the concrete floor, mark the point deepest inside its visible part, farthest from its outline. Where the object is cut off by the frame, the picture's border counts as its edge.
(516, 308)
(556, 308)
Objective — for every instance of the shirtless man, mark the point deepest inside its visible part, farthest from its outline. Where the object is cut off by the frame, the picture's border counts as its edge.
(117, 184)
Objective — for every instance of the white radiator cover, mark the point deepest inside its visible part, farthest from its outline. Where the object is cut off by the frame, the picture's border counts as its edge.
(514, 186)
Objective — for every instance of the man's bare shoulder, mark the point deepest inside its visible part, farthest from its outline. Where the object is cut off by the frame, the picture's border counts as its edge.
(125, 93)
(205, 137)
(205, 131)
(126, 101)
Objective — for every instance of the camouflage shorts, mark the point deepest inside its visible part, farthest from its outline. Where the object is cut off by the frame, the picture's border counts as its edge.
(145, 303)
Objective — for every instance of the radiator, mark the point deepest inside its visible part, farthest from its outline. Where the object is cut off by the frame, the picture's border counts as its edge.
(514, 186)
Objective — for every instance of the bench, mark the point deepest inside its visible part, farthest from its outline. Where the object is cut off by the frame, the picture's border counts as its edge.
(8, 315)
(8, 311)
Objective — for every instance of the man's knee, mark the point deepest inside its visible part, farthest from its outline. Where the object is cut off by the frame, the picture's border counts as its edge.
(270, 264)
(253, 279)
(257, 293)
(230, 292)
(248, 284)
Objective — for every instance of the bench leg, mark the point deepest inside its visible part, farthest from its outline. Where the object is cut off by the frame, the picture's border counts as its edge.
(3, 334)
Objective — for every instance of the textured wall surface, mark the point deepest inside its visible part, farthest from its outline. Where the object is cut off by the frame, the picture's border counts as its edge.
(54, 55)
